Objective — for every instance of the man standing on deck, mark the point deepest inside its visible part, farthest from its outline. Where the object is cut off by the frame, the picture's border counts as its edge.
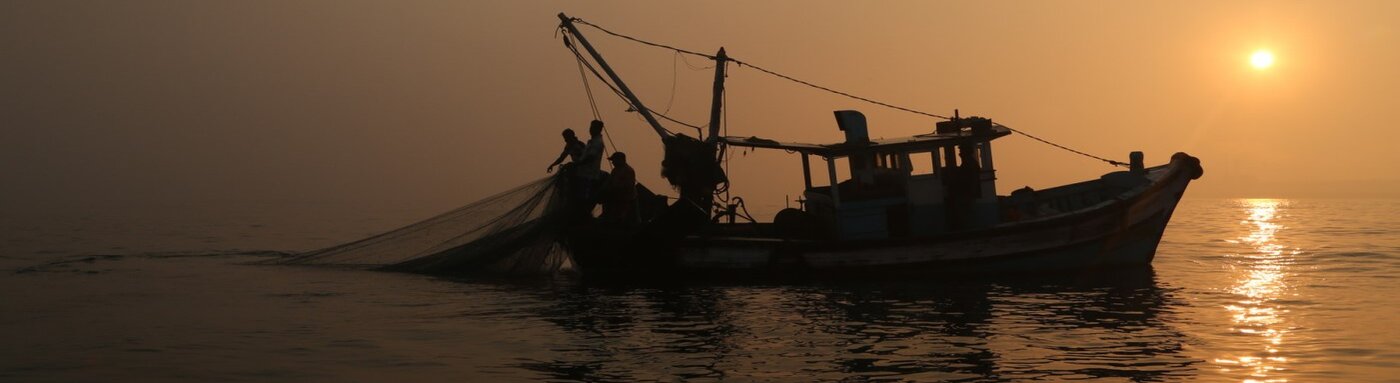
(963, 186)
(619, 194)
(589, 166)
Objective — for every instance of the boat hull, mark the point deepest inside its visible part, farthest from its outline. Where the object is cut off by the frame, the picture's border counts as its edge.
(1121, 231)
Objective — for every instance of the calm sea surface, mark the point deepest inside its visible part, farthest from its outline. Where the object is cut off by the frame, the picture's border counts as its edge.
(1240, 291)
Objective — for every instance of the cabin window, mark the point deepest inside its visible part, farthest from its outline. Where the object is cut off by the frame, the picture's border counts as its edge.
(820, 175)
(971, 154)
(843, 168)
(919, 163)
(894, 161)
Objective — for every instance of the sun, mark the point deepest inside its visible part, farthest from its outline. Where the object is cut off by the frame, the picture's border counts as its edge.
(1261, 59)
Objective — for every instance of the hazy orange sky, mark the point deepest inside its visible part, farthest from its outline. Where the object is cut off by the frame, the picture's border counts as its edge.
(134, 104)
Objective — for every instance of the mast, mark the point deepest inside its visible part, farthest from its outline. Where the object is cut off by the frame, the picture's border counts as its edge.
(568, 25)
(691, 165)
(718, 102)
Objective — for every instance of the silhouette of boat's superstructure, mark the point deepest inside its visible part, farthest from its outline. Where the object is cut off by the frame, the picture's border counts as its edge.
(884, 216)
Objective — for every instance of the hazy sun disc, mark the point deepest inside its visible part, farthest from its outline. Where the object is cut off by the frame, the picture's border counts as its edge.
(1262, 59)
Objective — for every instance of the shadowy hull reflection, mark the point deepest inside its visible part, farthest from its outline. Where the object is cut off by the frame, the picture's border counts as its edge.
(1046, 327)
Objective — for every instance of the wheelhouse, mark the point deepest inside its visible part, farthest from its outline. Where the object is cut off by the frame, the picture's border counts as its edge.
(883, 196)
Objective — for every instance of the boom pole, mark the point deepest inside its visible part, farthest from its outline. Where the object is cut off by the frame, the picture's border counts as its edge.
(568, 24)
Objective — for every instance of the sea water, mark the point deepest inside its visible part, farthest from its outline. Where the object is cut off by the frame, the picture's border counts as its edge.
(1240, 291)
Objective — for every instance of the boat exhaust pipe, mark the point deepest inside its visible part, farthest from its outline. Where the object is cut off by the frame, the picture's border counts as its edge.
(853, 123)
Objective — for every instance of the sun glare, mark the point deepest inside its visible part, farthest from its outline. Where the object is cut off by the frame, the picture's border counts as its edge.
(1261, 59)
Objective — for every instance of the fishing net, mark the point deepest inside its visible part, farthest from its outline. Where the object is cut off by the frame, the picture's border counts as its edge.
(519, 231)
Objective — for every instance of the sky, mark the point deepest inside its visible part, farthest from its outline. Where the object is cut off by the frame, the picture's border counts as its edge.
(141, 105)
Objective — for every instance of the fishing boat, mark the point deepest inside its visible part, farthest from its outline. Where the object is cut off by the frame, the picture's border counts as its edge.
(880, 217)
(884, 217)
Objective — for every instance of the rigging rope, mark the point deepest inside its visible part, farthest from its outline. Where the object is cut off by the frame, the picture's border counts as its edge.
(591, 103)
(589, 91)
(693, 66)
(887, 105)
(675, 75)
(834, 91)
(579, 56)
(790, 78)
(698, 129)
(663, 46)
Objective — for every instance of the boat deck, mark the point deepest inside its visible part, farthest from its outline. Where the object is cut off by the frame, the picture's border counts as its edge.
(1049, 204)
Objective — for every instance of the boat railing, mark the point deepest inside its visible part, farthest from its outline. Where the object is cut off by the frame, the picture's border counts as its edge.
(1082, 195)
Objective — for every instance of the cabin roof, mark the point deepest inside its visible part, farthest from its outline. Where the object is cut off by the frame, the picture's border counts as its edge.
(915, 143)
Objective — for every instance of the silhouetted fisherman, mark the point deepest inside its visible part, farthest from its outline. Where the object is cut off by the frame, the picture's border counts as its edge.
(573, 149)
(963, 185)
(619, 194)
(969, 172)
(582, 172)
(588, 167)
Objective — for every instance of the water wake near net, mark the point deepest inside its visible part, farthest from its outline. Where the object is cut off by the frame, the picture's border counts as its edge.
(519, 231)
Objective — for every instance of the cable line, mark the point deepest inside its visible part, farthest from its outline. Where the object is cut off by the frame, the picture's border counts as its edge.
(826, 89)
(589, 91)
(579, 56)
(888, 105)
(644, 42)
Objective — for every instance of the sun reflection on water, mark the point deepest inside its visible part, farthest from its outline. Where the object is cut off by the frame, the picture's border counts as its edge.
(1262, 282)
